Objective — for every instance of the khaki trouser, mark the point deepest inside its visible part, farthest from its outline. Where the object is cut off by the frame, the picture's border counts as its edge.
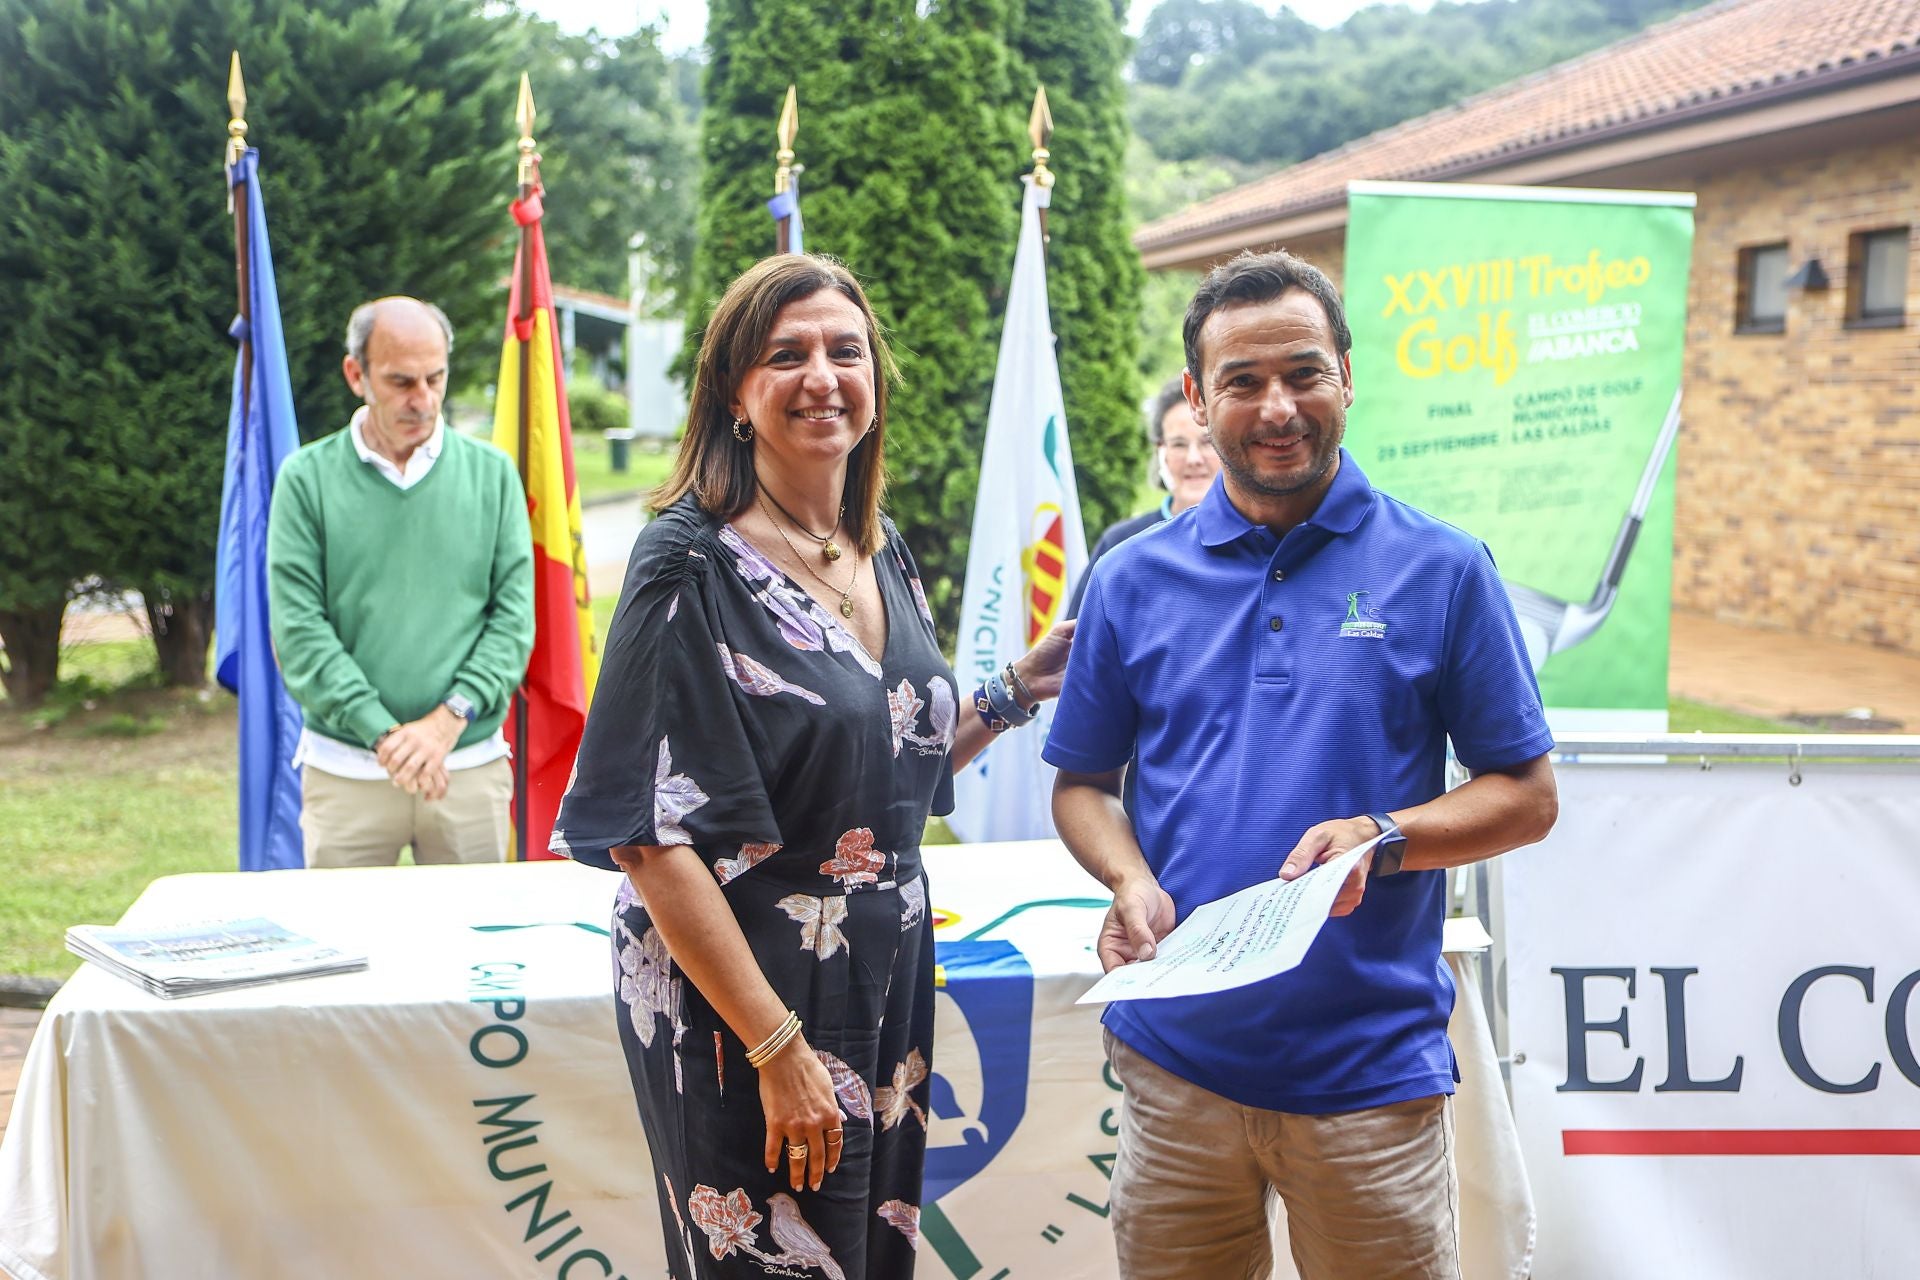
(349, 822)
(1369, 1195)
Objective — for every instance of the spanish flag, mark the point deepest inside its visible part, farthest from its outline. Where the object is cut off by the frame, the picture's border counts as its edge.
(553, 699)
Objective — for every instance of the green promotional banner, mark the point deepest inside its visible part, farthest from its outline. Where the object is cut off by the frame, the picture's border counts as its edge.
(1516, 360)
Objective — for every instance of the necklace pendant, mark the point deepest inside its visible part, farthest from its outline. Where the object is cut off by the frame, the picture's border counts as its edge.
(846, 606)
(830, 549)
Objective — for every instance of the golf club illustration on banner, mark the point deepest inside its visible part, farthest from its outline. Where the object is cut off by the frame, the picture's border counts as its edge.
(1551, 625)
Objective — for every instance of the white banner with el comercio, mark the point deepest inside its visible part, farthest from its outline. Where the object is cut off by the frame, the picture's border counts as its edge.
(1711, 981)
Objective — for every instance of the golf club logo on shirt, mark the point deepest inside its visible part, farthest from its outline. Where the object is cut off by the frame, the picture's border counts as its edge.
(1363, 620)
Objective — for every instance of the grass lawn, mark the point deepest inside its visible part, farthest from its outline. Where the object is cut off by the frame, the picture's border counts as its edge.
(115, 782)
(112, 783)
(1697, 717)
(593, 467)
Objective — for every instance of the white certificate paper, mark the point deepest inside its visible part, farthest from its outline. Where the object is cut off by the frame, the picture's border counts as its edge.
(1242, 938)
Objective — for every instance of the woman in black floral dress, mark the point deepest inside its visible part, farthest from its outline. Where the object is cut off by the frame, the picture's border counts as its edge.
(774, 723)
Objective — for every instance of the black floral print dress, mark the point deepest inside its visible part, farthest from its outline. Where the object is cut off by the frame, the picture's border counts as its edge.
(736, 715)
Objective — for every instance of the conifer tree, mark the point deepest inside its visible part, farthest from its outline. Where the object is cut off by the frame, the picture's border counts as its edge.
(386, 164)
(913, 133)
(1076, 49)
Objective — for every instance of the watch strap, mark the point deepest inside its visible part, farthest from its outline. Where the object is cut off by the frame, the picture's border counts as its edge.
(1392, 849)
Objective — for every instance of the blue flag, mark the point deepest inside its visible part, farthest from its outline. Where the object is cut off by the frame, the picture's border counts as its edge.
(787, 205)
(261, 434)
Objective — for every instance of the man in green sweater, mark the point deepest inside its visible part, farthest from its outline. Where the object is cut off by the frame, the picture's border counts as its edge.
(400, 576)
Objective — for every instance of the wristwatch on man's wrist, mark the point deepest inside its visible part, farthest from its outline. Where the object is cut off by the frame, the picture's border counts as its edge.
(460, 705)
(1392, 849)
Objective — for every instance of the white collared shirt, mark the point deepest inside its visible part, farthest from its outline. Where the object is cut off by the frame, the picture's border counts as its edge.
(344, 759)
(419, 462)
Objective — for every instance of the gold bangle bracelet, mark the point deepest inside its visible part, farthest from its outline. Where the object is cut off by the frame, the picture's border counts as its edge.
(774, 1050)
(760, 1050)
(774, 1043)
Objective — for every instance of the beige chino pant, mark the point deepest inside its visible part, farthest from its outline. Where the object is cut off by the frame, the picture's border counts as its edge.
(1369, 1195)
(352, 822)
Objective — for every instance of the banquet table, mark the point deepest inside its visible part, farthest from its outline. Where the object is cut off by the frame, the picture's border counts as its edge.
(461, 1108)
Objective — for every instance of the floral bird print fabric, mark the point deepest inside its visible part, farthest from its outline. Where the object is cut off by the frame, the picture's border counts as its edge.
(737, 716)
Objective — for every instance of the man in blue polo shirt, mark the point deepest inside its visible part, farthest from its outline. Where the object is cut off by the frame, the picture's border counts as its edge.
(1284, 665)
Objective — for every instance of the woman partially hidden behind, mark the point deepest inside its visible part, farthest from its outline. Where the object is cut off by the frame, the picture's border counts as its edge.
(774, 722)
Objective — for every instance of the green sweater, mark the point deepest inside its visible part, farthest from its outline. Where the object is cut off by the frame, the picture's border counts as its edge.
(385, 600)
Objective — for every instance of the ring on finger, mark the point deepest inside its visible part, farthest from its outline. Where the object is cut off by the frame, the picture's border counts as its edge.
(796, 1151)
(835, 1135)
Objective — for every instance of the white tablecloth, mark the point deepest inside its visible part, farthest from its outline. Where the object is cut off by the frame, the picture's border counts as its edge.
(461, 1108)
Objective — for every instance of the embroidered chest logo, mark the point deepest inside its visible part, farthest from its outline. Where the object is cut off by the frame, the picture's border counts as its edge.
(1363, 620)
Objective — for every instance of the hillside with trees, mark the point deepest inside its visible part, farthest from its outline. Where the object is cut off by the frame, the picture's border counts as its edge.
(1228, 81)
(1224, 91)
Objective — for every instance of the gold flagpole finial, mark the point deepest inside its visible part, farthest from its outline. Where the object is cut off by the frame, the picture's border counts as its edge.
(788, 129)
(237, 122)
(1040, 129)
(523, 115)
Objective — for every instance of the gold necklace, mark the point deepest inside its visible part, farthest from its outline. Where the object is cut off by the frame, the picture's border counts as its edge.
(829, 550)
(846, 597)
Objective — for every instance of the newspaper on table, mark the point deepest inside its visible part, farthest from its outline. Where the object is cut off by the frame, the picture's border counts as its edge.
(1243, 938)
(213, 955)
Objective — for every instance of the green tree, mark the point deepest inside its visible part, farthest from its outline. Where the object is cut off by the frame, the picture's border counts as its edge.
(619, 154)
(1180, 34)
(386, 165)
(913, 134)
(1223, 78)
(1076, 48)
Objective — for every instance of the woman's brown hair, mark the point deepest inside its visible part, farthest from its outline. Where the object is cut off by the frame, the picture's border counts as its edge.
(716, 467)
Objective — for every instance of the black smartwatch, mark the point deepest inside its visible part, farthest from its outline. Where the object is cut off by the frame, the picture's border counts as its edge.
(1392, 849)
(461, 706)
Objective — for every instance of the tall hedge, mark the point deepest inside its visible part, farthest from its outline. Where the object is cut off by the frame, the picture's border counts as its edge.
(386, 146)
(913, 134)
(1076, 48)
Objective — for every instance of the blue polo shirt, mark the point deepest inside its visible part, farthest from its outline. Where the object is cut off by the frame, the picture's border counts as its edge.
(1262, 685)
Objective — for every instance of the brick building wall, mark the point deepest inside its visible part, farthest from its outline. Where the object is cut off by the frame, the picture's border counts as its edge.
(1798, 498)
(1797, 503)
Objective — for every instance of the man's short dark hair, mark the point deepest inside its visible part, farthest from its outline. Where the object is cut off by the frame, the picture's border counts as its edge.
(1261, 277)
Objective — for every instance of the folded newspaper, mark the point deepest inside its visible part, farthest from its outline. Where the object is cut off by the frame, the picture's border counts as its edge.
(212, 955)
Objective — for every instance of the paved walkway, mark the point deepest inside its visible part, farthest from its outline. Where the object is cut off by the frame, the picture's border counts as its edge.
(607, 531)
(1778, 674)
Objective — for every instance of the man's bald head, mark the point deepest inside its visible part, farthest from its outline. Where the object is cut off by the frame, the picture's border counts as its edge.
(396, 362)
(401, 315)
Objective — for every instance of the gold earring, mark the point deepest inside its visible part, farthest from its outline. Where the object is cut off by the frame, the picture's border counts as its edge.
(742, 435)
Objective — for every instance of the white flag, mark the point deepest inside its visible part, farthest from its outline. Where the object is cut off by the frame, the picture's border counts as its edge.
(1028, 548)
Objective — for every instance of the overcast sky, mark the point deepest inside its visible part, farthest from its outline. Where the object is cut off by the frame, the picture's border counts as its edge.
(686, 20)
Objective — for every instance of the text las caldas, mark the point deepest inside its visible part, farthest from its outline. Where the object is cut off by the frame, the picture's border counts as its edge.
(1460, 317)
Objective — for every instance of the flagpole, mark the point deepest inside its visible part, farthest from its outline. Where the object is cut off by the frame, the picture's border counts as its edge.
(529, 178)
(787, 130)
(1040, 129)
(237, 196)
